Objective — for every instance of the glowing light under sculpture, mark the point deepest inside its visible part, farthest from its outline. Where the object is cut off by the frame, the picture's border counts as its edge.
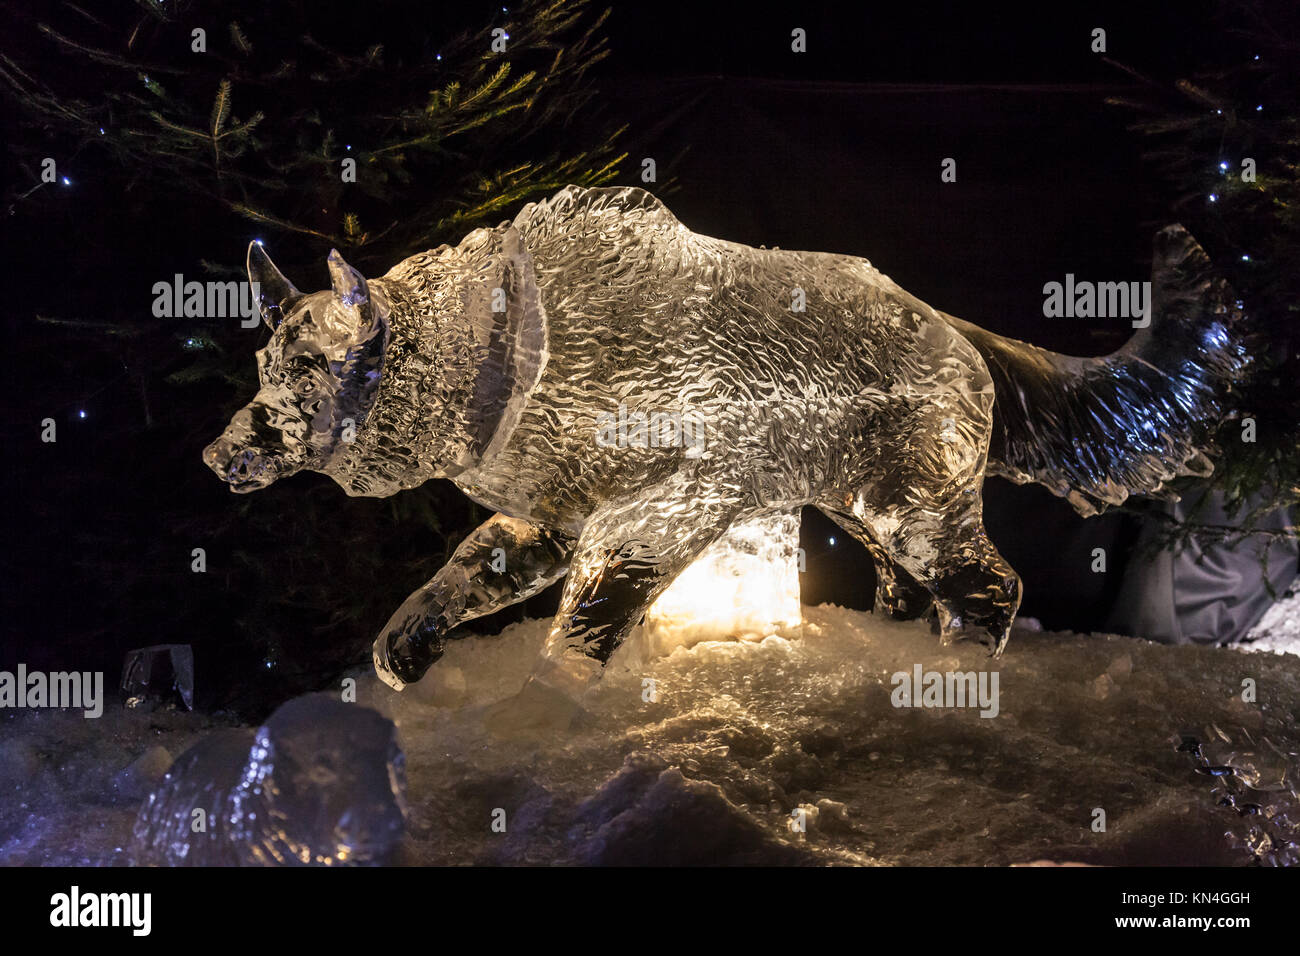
(745, 585)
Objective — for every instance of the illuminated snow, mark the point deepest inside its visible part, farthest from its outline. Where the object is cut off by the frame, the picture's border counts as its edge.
(738, 735)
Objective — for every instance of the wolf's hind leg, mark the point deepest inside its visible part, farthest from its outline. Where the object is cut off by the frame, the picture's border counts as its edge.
(898, 594)
(504, 561)
(926, 510)
(927, 514)
(975, 591)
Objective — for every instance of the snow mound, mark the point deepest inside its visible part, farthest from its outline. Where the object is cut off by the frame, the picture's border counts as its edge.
(708, 754)
(787, 750)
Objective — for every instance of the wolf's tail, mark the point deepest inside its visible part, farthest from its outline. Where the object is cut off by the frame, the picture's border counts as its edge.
(1096, 430)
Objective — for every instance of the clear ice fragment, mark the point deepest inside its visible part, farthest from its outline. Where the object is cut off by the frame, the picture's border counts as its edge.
(322, 783)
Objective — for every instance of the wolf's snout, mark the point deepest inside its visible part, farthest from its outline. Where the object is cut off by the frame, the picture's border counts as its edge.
(244, 469)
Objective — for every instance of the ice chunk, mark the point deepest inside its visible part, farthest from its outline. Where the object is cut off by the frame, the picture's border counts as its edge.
(1257, 786)
(1121, 667)
(832, 816)
(159, 676)
(321, 782)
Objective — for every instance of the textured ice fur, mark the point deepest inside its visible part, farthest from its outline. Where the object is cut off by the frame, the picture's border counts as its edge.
(623, 305)
(456, 372)
(816, 380)
(1093, 431)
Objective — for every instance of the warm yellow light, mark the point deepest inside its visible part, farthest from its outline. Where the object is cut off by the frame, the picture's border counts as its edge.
(745, 586)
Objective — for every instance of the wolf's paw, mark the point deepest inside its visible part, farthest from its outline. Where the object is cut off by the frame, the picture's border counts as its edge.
(992, 637)
(404, 656)
(995, 639)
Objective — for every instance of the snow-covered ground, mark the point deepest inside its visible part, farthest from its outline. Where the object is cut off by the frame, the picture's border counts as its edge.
(738, 736)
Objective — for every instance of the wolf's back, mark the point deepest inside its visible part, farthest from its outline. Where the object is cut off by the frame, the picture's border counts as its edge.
(1095, 431)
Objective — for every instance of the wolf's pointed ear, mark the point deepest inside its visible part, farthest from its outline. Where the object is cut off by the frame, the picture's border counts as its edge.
(352, 290)
(271, 289)
(349, 284)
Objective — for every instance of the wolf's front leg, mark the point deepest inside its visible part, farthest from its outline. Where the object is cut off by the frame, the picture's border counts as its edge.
(504, 561)
(628, 554)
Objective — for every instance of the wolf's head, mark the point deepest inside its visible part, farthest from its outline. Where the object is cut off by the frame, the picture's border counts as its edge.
(318, 375)
(457, 334)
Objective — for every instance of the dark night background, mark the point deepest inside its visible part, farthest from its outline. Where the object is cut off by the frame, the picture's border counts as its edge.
(838, 149)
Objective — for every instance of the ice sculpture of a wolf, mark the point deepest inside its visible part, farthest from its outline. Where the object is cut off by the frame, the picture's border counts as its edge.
(812, 378)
